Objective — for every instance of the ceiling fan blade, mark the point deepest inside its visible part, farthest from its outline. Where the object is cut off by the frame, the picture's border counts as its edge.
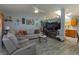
(35, 8)
(40, 11)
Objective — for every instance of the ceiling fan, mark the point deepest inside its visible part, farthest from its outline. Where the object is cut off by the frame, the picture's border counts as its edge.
(37, 10)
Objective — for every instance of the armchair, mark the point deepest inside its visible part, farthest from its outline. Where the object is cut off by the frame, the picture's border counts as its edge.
(51, 29)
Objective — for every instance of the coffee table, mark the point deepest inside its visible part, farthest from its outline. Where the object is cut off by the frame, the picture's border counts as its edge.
(42, 36)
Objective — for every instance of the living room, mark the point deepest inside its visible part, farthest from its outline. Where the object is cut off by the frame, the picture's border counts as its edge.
(38, 29)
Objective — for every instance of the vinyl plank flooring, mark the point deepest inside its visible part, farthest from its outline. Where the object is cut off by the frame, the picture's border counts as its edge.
(54, 47)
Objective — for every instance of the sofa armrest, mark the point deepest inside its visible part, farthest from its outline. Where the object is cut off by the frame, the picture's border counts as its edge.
(27, 50)
(23, 41)
(31, 36)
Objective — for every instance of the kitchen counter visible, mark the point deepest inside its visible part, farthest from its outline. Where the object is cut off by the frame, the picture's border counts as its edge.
(71, 33)
(71, 27)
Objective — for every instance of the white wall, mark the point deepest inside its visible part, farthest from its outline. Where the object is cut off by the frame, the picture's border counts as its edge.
(37, 18)
(19, 26)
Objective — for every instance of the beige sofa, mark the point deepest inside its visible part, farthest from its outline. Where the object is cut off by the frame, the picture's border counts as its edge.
(21, 48)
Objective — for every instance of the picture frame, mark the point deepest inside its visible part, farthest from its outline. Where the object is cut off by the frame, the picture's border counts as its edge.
(23, 20)
(29, 22)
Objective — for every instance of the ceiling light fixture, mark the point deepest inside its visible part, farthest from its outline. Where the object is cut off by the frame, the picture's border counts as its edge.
(58, 12)
(68, 14)
(36, 11)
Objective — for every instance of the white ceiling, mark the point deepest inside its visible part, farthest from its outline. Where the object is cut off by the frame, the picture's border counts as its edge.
(28, 8)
